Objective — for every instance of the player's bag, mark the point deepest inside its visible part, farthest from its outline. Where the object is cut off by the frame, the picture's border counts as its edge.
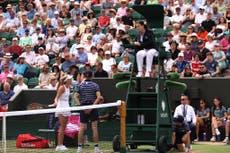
(30, 141)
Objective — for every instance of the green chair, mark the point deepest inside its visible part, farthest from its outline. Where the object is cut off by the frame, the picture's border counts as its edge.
(33, 82)
(33, 71)
(96, 9)
(4, 35)
(25, 80)
(133, 33)
(137, 16)
(52, 61)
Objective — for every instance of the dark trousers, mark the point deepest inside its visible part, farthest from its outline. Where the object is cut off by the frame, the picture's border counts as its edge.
(193, 131)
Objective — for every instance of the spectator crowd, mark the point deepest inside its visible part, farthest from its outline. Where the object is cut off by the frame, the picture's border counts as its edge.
(41, 39)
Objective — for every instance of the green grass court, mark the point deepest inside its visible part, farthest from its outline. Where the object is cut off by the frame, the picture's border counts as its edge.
(106, 147)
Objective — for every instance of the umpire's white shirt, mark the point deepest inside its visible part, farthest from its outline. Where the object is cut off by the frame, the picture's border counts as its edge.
(190, 113)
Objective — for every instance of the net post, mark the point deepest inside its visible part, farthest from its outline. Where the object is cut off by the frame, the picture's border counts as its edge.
(4, 133)
(123, 127)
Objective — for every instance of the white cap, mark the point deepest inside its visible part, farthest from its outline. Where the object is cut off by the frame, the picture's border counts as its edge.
(15, 38)
(68, 78)
(201, 7)
(56, 12)
(76, 3)
(107, 52)
(80, 46)
(194, 34)
(10, 76)
(181, 54)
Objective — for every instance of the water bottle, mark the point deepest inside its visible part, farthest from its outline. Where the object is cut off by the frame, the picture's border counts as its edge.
(142, 119)
(204, 136)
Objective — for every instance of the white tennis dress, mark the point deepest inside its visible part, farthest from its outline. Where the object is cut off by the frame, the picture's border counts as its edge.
(63, 102)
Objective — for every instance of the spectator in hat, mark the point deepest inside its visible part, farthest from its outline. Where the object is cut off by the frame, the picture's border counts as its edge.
(21, 85)
(182, 41)
(40, 43)
(219, 56)
(212, 65)
(15, 49)
(113, 17)
(76, 10)
(54, 20)
(108, 61)
(52, 9)
(180, 62)
(208, 24)
(100, 72)
(5, 95)
(98, 35)
(29, 55)
(20, 66)
(91, 19)
(194, 41)
(41, 59)
(37, 36)
(67, 63)
(25, 40)
(62, 39)
(202, 49)
(71, 30)
(111, 35)
(4, 73)
(7, 60)
(81, 56)
(8, 11)
(200, 17)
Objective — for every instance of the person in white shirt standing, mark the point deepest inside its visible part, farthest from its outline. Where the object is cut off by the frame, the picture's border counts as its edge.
(200, 17)
(187, 111)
